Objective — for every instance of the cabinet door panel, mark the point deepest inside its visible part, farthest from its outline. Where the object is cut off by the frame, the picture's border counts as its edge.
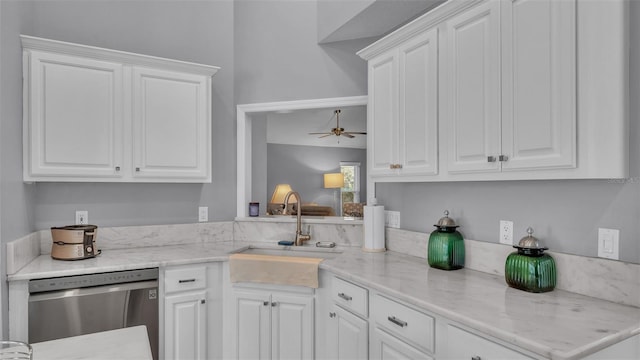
(292, 326)
(386, 346)
(473, 63)
(253, 340)
(186, 326)
(418, 137)
(382, 110)
(349, 336)
(76, 116)
(539, 84)
(464, 345)
(170, 124)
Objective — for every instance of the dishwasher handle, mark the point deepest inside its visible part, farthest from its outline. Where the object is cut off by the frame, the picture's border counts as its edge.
(61, 294)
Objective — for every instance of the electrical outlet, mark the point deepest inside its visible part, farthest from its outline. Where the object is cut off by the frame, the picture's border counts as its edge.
(392, 219)
(203, 214)
(82, 217)
(609, 243)
(506, 232)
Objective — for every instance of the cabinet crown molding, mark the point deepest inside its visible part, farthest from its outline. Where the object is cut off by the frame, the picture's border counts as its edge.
(93, 52)
(417, 26)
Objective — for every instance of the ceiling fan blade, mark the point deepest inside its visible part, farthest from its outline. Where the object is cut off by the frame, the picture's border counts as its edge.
(320, 137)
(348, 135)
(355, 133)
(321, 133)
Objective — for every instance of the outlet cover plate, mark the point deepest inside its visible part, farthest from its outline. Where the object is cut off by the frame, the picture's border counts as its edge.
(203, 213)
(392, 219)
(609, 243)
(82, 217)
(506, 232)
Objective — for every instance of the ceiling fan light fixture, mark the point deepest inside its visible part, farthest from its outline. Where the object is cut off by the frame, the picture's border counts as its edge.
(339, 131)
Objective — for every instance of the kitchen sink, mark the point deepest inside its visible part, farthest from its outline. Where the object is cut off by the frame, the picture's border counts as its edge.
(294, 251)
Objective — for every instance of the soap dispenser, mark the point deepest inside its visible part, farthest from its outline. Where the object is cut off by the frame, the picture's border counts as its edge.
(446, 245)
(529, 268)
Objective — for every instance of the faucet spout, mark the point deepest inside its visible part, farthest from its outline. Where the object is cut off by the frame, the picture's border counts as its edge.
(300, 236)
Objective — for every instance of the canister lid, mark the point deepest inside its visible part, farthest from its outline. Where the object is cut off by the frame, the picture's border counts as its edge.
(446, 221)
(529, 245)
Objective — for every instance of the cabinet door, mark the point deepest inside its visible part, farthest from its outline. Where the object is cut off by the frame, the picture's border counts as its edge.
(348, 336)
(418, 105)
(389, 347)
(473, 95)
(75, 116)
(185, 326)
(539, 84)
(253, 325)
(292, 327)
(171, 125)
(464, 345)
(382, 121)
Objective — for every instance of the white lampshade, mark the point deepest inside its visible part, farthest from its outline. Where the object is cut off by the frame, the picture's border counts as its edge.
(333, 180)
(280, 192)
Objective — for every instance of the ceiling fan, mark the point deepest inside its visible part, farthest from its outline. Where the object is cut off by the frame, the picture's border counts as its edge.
(338, 131)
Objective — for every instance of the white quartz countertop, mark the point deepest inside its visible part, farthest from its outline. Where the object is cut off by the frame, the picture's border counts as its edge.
(130, 343)
(556, 325)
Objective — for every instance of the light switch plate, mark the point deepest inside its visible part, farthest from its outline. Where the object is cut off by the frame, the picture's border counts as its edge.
(609, 243)
(203, 213)
(392, 219)
(82, 217)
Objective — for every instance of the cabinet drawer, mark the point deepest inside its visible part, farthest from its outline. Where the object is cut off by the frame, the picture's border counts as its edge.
(405, 322)
(183, 279)
(462, 344)
(350, 296)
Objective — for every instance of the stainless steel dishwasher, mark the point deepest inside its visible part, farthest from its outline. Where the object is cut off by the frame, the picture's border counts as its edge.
(83, 304)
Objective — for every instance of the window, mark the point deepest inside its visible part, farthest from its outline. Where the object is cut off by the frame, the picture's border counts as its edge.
(351, 190)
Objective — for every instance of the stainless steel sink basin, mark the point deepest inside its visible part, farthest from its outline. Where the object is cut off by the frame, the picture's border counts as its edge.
(299, 251)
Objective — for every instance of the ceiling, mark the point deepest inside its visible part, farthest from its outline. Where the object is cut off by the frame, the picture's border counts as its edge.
(293, 127)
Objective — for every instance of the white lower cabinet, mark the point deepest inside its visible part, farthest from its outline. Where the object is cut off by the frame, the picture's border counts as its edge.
(461, 344)
(348, 335)
(185, 324)
(388, 347)
(272, 324)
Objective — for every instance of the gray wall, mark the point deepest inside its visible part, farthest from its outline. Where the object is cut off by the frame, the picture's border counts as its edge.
(303, 167)
(566, 215)
(196, 31)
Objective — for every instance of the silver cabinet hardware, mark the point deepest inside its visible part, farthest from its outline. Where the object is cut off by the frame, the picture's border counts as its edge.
(345, 296)
(186, 281)
(332, 314)
(265, 303)
(476, 358)
(503, 158)
(397, 321)
(117, 168)
(203, 301)
(138, 169)
(274, 303)
(491, 159)
(325, 244)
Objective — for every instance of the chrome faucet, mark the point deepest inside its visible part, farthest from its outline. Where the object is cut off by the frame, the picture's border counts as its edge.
(300, 236)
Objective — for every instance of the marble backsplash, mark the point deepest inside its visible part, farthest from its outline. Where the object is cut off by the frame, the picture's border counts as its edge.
(601, 278)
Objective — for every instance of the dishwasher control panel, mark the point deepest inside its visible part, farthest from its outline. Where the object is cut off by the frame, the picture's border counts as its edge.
(90, 280)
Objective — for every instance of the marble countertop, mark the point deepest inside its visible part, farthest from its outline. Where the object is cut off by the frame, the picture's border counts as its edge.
(129, 343)
(555, 325)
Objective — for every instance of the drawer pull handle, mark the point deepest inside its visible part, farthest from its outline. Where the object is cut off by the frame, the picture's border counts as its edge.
(274, 304)
(345, 296)
(396, 321)
(265, 303)
(186, 281)
(476, 358)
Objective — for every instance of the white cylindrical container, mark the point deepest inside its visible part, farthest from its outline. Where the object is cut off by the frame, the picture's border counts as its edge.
(374, 236)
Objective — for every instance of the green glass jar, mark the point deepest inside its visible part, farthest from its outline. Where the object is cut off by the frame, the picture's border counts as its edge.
(529, 268)
(446, 245)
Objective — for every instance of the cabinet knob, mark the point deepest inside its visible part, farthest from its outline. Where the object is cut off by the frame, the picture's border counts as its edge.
(491, 159)
(117, 168)
(274, 303)
(203, 301)
(476, 358)
(265, 303)
(332, 314)
(503, 158)
(138, 169)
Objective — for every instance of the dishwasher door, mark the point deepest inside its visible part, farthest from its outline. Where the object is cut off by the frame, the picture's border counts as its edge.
(59, 314)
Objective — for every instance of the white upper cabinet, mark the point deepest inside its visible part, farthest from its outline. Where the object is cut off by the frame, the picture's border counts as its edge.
(524, 90)
(403, 110)
(473, 97)
(99, 115)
